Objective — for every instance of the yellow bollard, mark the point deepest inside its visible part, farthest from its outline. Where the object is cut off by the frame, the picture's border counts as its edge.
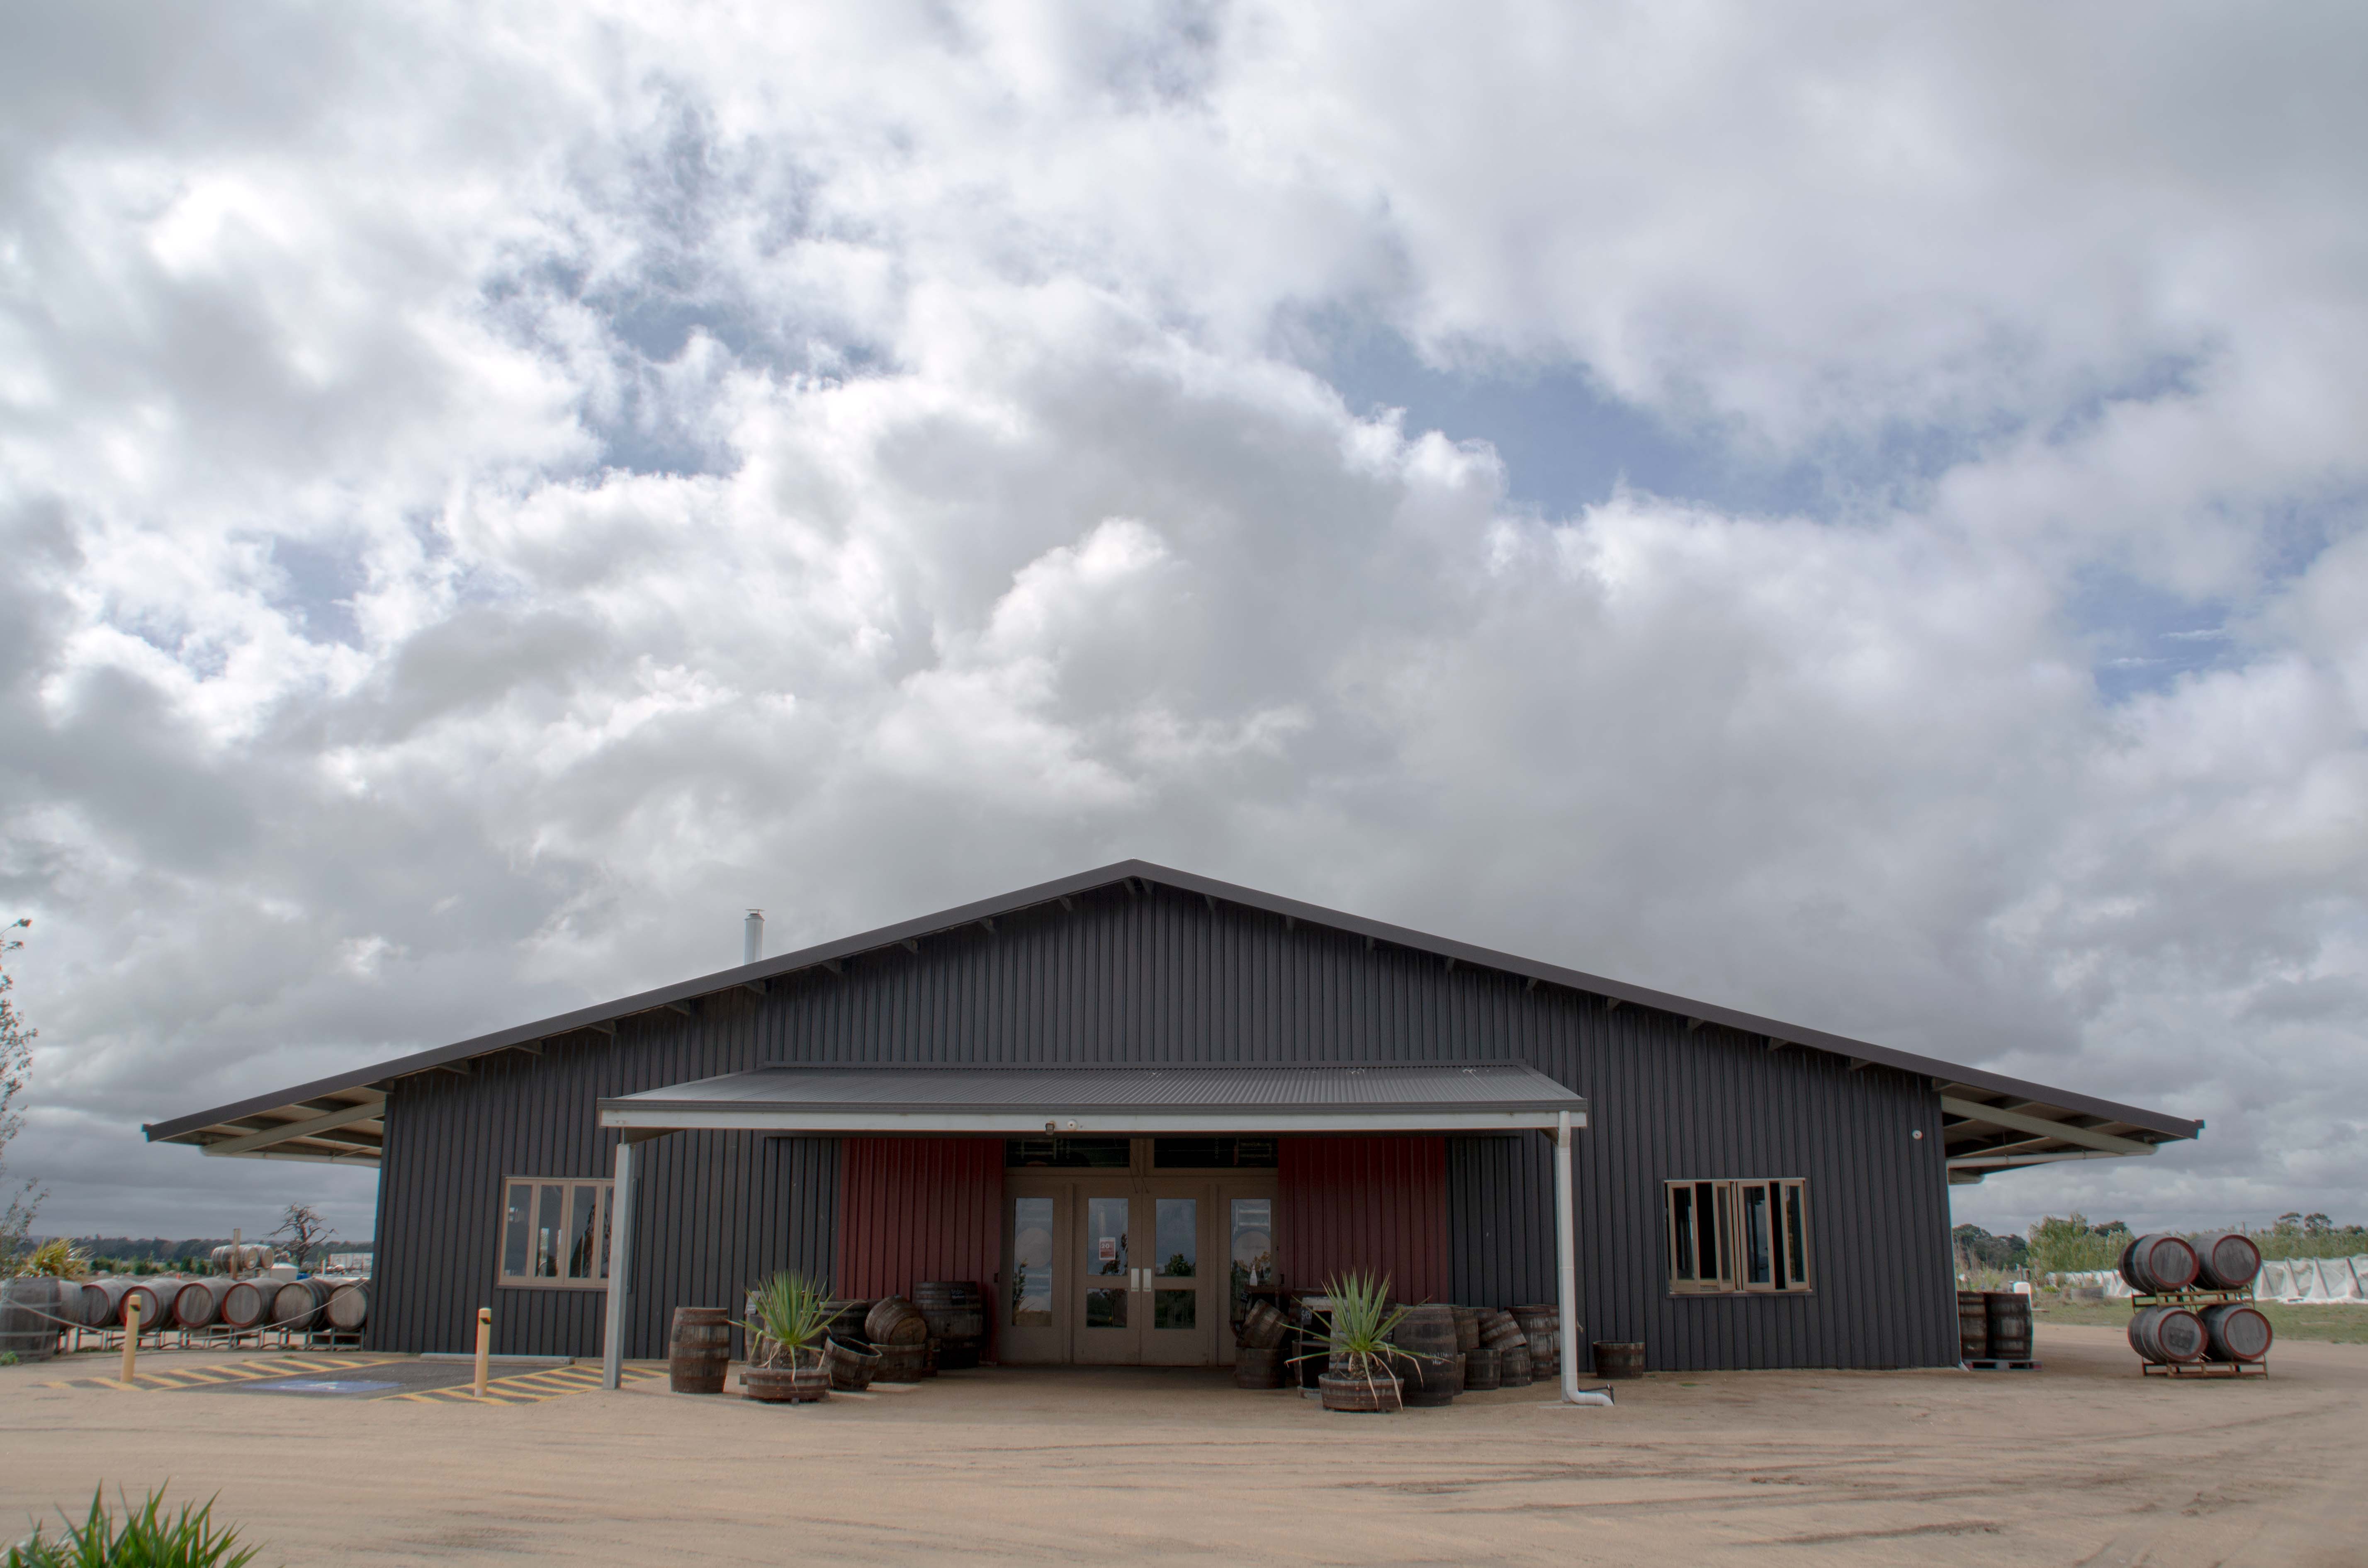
(131, 1335)
(484, 1346)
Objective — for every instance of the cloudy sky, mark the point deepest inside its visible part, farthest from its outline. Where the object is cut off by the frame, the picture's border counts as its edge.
(1852, 513)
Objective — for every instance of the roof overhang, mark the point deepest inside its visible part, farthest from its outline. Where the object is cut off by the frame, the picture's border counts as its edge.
(1010, 1101)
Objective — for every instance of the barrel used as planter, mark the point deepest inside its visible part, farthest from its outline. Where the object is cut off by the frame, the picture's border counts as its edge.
(1973, 1325)
(2159, 1262)
(2006, 1315)
(846, 1319)
(2234, 1331)
(1542, 1325)
(1513, 1367)
(851, 1364)
(1467, 1327)
(34, 1310)
(1427, 1373)
(1484, 1370)
(349, 1307)
(1257, 1369)
(699, 1349)
(2227, 1261)
(296, 1306)
(785, 1385)
(245, 1304)
(197, 1304)
(1618, 1357)
(2167, 1336)
(1366, 1392)
(1263, 1327)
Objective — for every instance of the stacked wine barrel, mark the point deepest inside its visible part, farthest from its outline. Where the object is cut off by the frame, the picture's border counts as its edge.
(957, 1318)
(2190, 1307)
(899, 1335)
(1261, 1348)
(1993, 1325)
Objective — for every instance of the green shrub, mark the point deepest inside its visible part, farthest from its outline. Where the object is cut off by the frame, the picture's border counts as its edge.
(147, 1538)
(2072, 1246)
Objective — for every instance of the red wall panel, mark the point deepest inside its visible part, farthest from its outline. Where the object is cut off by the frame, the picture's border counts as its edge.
(1376, 1205)
(914, 1209)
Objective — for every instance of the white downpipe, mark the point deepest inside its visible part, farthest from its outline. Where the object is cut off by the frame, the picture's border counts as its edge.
(1567, 1272)
(620, 1234)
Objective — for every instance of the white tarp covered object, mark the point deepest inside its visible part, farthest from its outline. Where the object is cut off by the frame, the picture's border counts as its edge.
(2314, 1280)
(2274, 1283)
(2338, 1279)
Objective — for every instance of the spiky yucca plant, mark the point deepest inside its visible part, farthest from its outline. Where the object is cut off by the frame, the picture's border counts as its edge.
(185, 1540)
(789, 1313)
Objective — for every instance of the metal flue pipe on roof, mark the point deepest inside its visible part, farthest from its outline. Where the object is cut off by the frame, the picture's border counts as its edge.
(752, 937)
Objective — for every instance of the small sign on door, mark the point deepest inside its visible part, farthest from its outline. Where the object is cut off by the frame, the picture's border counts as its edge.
(1109, 1249)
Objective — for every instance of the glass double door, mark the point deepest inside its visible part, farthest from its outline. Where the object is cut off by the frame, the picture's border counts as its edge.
(1125, 1270)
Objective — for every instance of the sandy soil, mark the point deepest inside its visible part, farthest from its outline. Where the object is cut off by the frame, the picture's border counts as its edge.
(2084, 1463)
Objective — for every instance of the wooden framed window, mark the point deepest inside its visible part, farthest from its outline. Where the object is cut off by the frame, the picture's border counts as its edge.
(1729, 1237)
(555, 1234)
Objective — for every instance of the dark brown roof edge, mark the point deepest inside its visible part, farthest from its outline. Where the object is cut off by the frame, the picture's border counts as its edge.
(1088, 882)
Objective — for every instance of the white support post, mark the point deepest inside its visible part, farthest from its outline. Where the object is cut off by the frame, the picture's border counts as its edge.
(1565, 1262)
(621, 1235)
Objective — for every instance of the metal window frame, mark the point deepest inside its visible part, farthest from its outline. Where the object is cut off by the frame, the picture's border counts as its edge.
(605, 1195)
(1726, 1216)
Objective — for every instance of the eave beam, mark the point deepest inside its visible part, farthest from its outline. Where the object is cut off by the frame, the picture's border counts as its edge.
(2087, 1137)
(370, 1110)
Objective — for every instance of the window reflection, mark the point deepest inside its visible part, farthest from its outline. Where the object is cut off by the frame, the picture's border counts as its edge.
(1106, 1235)
(1032, 1263)
(1180, 1238)
(580, 1227)
(548, 1234)
(1251, 1250)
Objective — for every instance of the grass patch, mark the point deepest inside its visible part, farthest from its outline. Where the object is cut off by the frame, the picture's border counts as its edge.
(2333, 1326)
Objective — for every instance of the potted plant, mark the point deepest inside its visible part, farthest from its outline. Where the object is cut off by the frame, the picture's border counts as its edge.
(785, 1364)
(1358, 1376)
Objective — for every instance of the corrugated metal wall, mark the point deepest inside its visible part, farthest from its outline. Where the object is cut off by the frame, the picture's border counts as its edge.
(1374, 1205)
(1160, 975)
(915, 1208)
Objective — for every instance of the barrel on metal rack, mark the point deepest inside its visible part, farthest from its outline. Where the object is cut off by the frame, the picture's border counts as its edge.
(956, 1314)
(2159, 1262)
(246, 1304)
(1259, 1368)
(1467, 1327)
(2234, 1331)
(101, 1302)
(1514, 1362)
(156, 1298)
(699, 1349)
(197, 1304)
(1263, 1327)
(1541, 1324)
(296, 1305)
(2006, 1315)
(1428, 1374)
(1973, 1326)
(349, 1308)
(2167, 1336)
(2227, 1261)
(34, 1310)
(1484, 1370)
(1619, 1358)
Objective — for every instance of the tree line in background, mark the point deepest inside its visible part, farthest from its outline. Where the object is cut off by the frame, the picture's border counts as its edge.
(2071, 1244)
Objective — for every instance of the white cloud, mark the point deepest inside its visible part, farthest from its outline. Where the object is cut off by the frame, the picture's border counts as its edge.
(488, 494)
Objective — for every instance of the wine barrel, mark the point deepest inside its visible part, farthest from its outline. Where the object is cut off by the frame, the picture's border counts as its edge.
(1427, 1373)
(245, 1304)
(197, 1304)
(35, 1309)
(101, 1302)
(699, 1349)
(901, 1363)
(1263, 1327)
(893, 1319)
(2008, 1322)
(1973, 1326)
(1258, 1367)
(1498, 1329)
(846, 1319)
(349, 1307)
(156, 1298)
(1514, 1364)
(952, 1308)
(1467, 1327)
(851, 1363)
(1618, 1358)
(2234, 1331)
(2153, 1264)
(2167, 1336)
(296, 1305)
(1484, 1370)
(2227, 1261)
(1541, 1324)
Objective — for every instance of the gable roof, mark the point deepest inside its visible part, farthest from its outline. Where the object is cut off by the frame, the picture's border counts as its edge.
(1991, 1122)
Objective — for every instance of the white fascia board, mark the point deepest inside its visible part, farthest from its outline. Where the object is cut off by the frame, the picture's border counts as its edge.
(355, 1158)
(1995, 1162)
(1082, 1124)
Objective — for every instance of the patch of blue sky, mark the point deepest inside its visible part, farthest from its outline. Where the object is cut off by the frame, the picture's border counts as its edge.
(2141, 638)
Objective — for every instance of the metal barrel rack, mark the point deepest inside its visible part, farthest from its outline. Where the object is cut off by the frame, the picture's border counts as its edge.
(2194, 1301)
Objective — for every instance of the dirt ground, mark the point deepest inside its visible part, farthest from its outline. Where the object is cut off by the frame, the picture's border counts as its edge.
(2085, 1462)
